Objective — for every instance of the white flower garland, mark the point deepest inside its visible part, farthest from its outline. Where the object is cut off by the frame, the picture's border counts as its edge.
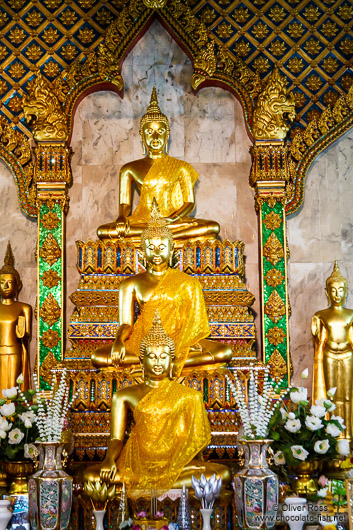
(257, 413)
(52, 412)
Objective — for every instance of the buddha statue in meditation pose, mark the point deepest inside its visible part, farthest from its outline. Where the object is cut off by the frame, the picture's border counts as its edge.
(170, 427)
(160, 176)
(333, 360)
(180, 302)
(15, 327)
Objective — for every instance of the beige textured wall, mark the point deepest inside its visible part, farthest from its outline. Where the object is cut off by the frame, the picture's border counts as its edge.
(318, 234)
(22, 233)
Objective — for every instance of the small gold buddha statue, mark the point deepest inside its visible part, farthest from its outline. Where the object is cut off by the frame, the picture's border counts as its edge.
(333, 360)
(158, 175)
(177, 296)
(15, 327)
(170, 428)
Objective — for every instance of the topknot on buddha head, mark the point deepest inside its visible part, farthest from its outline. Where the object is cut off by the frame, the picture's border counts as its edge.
(157, 337)
(156, 227)
(336, 276)
(154, 114)
(9, 266)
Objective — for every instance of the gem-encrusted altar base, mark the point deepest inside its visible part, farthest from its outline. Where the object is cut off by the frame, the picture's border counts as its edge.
(219, 266)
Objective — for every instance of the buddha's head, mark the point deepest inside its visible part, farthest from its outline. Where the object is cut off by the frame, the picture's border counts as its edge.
(154, 129)
(157, 240)
(336, 287)
(157, 352)
(10, 282)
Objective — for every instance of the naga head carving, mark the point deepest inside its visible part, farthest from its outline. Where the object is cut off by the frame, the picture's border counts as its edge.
(44, 113)
(274, 108)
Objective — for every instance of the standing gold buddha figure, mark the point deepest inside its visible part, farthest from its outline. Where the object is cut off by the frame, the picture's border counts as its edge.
(170, 430)
(169, 180)
(177, 296)
(333, 360)
(15, 327)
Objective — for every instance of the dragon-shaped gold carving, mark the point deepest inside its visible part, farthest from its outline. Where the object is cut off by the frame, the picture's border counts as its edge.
(274, 107)
(204, 65)
(155, 4)
(43, 111)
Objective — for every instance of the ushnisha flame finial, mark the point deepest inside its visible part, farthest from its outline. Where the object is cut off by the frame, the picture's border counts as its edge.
(154, 113)
(9, 264)
(156, 226)
(157, 337)
(336, 275)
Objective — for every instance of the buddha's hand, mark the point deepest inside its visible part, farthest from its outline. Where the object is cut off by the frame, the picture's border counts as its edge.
(117, 352)
(21, 327)
(122, 226)
(108, 470)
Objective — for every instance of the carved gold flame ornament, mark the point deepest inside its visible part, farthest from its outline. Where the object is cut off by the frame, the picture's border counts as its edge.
(155, 4)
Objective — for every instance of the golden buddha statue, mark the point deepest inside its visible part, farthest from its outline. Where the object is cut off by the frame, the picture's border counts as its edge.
(169, 180)
(170, 428)
(176, 295)
(15, 327)
(333, 360)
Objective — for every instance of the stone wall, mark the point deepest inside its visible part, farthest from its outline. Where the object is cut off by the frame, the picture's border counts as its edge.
(317, 235)
(22, 233)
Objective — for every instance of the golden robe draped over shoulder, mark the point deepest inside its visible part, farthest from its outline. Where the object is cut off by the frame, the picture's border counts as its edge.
(181, 305)
(167, 181)
(171, 428)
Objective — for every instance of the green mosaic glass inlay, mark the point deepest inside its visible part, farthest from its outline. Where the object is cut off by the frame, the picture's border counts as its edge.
(277, 271)
(50, 336)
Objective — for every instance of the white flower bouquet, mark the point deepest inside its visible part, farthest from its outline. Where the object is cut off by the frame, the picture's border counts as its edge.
(18, 430)
(52, 413)
(304, 432)
(28, 417)
(256, 414)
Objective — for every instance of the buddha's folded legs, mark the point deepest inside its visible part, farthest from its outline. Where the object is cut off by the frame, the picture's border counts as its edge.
(198, 467)
(209, 352)
(205, 352)
(190, 230)
(101, 358)
(195, 468)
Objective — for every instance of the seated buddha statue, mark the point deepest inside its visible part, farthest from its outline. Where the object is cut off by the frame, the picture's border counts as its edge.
(169, 180)
(177, 296)
(170, 427)
(15, 327)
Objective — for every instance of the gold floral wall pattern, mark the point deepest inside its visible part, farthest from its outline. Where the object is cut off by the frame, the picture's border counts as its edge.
(233, 42)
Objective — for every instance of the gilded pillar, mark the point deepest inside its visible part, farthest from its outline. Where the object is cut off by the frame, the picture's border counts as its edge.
(52, 175)
(269, 178)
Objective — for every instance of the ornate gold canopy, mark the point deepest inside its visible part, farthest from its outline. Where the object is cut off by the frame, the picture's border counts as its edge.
(78, 47)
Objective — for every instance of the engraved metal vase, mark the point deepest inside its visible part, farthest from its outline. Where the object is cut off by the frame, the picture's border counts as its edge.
(18, 473)
(50, 491)
(255, 487)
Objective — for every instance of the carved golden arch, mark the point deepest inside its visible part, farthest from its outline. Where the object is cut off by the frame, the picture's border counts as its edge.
(213, 66)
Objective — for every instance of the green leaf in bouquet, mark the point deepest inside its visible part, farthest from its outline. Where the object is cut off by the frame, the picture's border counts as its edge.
(14, 452)
(275, 435)
(275, 420)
